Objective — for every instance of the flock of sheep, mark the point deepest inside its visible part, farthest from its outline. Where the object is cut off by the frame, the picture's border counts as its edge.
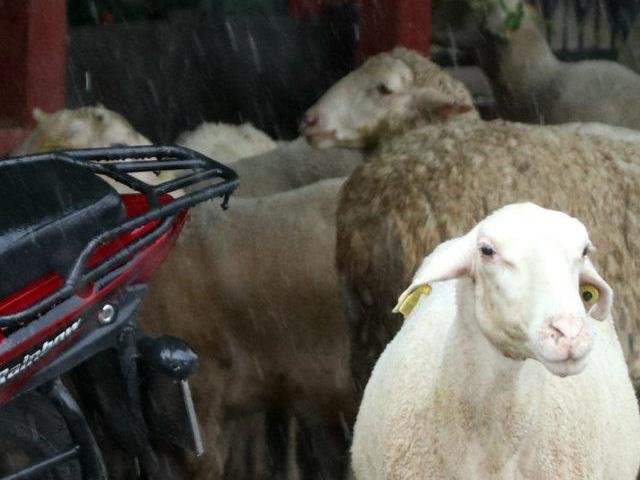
(511, 367)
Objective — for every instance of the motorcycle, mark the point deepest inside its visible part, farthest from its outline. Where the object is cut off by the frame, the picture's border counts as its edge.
(75, 261)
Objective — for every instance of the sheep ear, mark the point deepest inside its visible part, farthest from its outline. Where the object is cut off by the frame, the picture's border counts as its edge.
(451, 259)
(436, 103)
(589, 275)
(39, 115)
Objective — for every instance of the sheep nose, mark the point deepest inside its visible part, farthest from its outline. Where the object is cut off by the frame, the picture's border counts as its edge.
(568, 326)
(309, 120)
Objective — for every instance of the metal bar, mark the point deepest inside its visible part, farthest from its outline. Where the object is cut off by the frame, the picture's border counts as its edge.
(184, 181)
(122, 177)
(194, 425)
(158, 165)
(122, 254)
(37, 468)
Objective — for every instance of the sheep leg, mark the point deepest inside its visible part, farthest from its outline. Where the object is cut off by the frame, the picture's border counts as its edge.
(322, 451)
(257, 446)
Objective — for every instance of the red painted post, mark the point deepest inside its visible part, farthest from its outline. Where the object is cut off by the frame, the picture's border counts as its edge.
(385, 24)
(33, 60)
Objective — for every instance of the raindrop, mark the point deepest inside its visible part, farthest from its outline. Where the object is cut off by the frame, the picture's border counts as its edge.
(231, 34)
(255, 54)
(87, 81)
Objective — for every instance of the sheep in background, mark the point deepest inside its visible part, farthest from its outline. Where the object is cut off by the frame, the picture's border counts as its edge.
(254, 291)
(471, 386)
(264, 166)
(417, 188)
(288, 166)
(84, 127)
(395, 91)
(226, 142)
(292, 165)
(87, 127)
(529, 83)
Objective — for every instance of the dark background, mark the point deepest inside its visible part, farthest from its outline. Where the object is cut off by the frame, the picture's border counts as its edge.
(169, 69)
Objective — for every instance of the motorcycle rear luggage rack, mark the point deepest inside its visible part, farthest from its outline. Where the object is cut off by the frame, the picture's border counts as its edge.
(118, 163)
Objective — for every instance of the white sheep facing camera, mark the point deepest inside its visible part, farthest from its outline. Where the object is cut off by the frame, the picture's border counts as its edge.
(509, 368)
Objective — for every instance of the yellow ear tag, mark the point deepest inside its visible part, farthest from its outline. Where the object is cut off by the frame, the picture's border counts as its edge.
(411, 301)
(589, 293)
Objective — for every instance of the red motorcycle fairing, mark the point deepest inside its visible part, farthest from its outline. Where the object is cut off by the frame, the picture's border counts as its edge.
(28, 349)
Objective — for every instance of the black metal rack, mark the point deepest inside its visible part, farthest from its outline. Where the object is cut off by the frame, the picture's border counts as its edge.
(119, 163)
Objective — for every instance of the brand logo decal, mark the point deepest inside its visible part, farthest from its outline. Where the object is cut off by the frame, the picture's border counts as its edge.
(33, 357)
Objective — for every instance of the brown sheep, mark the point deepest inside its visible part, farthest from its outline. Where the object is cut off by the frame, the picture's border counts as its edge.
(254, 291)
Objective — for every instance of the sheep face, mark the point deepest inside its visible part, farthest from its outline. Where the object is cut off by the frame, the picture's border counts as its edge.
(86, 127)
(378, 99)
(536, 293)
(355, 107)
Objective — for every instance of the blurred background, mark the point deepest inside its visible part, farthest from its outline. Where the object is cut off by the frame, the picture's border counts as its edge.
(168, 65)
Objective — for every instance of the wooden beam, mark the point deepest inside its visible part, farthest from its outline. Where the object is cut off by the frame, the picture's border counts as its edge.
(385, 24)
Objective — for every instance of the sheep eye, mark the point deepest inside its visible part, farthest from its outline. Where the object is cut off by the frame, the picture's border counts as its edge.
(585, 251)
(589, 293)
(487, 251)
(383, 89)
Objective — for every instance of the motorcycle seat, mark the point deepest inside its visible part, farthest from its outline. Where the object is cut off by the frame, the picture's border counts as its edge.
(49, 211)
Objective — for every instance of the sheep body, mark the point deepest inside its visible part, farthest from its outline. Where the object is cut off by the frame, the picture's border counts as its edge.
(226, 142)
(603, 130)
(254, 291)
(432, 409)
(292, 165)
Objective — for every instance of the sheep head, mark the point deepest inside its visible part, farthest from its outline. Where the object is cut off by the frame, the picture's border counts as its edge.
(466, 23)
(536, 293)
(85, 127)
(389, 93)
